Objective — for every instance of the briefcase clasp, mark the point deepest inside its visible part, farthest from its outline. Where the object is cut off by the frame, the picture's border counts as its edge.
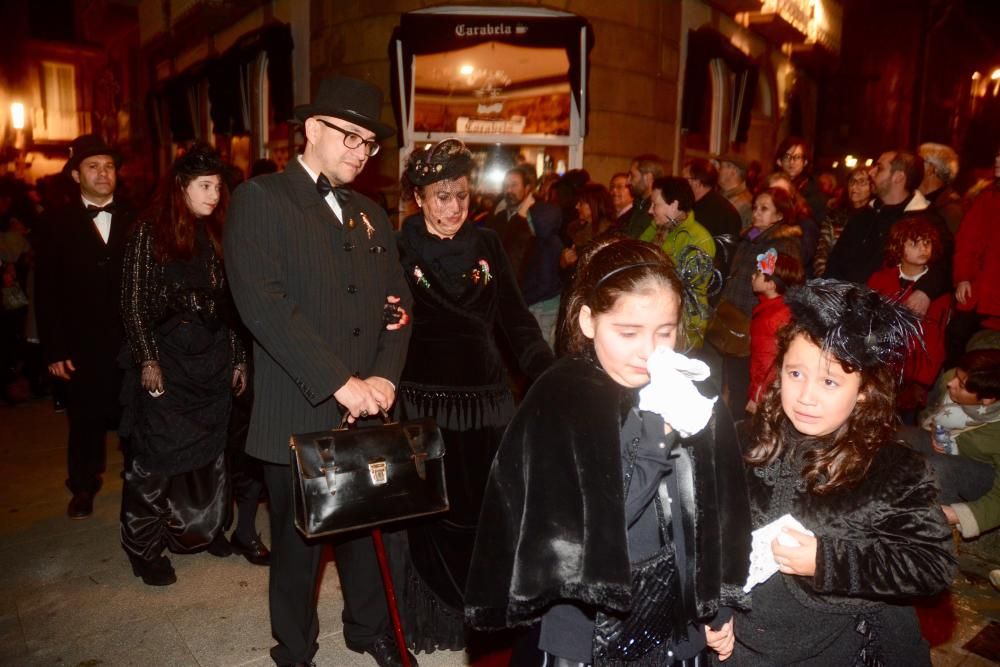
(378, 470)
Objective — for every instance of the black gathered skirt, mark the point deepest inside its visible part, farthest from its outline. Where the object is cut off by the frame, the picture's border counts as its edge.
(175, 494)
(434, 563)
(180, 512)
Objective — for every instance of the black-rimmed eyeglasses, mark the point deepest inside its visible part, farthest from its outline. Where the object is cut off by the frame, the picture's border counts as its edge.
(353, 140)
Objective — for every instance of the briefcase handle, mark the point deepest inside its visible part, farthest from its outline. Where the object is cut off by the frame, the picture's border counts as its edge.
(347, 414)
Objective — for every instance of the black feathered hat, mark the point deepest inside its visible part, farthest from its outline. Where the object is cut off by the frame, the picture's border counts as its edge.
(199, 160)
(448, 159)
(857, 325)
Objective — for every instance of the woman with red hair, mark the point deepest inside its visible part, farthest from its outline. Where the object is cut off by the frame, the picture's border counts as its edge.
(185, 360)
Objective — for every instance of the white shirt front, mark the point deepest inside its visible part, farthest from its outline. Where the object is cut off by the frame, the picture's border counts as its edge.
(103, 219)
(330, 199)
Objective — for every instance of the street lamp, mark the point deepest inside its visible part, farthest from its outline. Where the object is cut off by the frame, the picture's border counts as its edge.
(17, 122)
(17, 115)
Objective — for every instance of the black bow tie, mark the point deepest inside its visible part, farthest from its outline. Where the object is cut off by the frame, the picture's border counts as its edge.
(323, 187)
(93, 211)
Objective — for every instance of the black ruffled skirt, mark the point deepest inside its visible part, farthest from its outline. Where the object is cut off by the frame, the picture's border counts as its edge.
(181, 512)
(176, 490)
(432, 568)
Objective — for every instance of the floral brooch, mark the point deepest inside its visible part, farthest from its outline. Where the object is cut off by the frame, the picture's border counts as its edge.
(482, 271)
(421, 278)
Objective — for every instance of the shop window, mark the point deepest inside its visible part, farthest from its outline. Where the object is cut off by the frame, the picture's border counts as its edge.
(510, 83)
(56, 120)
(495, 89)
(711, 132)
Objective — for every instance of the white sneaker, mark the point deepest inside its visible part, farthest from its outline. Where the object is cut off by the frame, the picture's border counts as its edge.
(995, 578)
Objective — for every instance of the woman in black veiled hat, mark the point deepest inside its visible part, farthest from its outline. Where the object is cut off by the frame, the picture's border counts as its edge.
(185, 361)
(465, 296)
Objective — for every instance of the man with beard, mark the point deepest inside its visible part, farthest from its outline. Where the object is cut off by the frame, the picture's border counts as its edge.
(859, 252)
(643, 171)
(312, 264)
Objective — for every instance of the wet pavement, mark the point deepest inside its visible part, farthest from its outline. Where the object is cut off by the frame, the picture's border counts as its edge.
(68, 596)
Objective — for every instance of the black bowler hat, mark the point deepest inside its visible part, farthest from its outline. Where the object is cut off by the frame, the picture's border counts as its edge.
(88, 145)
(356, 101)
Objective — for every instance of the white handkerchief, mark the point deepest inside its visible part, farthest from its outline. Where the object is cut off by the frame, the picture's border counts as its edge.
(762, 564)
(671, 392)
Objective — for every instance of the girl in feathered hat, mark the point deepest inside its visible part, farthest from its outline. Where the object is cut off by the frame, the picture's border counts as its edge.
(823, 452)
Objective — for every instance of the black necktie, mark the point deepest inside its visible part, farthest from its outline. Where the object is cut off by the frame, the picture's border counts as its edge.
(323, 187)
(93, 211)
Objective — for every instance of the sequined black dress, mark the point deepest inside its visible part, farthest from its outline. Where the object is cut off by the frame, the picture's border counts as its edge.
(465, 296)
(176, 314)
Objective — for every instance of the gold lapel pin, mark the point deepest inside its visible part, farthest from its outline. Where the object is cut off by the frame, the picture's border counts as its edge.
(368, 225)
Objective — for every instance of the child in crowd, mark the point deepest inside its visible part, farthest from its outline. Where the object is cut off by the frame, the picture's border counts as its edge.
(914, 249)
(775, 226)
(965, 420)
(822, 450)
(776, 272)
(615, 520)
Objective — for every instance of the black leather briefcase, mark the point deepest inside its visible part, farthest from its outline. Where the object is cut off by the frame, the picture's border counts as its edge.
(351, 478)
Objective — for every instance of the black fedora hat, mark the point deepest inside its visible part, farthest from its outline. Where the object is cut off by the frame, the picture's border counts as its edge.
(354, 100)
(88, 145)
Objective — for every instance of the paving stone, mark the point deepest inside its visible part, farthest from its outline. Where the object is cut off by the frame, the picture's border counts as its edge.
(68, 596)
(150, 642)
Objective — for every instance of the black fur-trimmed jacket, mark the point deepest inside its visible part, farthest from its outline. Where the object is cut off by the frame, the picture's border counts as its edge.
(879, 545)
(553, 523)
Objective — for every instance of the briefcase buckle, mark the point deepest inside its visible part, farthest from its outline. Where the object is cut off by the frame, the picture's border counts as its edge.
(378, 470)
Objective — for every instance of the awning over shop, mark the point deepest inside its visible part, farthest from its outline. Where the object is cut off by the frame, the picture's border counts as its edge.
(445, 29)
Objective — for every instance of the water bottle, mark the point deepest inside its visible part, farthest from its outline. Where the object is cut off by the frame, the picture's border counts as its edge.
(942, 438)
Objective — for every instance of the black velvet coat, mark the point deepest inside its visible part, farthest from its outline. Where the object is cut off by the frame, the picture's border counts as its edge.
(465, 297)
(553, 520)
(879, 545)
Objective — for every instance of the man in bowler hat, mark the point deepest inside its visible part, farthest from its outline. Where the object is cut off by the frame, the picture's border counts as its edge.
(78, 280)
(311, 265)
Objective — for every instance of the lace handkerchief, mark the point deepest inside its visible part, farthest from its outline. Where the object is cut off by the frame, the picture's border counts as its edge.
(762, 564)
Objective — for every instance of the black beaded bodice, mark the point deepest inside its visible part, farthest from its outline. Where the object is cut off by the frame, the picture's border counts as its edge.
(155, 294)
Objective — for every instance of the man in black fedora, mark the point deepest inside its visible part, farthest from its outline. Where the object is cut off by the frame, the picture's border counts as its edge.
(311, 264)
(78, 280)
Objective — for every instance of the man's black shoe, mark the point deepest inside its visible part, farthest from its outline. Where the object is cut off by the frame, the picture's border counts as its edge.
(81, 506)
(386, 653)
(255, 551)
(156, 572)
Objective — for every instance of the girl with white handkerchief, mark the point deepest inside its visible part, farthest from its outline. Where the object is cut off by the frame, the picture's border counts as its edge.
(615, 520)
(870, 533)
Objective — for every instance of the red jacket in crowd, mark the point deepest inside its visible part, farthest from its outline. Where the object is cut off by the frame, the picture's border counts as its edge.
(922, 363)
(767, 317)
(977, 253)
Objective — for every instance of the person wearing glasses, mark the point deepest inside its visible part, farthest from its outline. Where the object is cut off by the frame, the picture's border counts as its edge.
(466, 296)
(794, 158)
(312, 266)
(856, 197)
